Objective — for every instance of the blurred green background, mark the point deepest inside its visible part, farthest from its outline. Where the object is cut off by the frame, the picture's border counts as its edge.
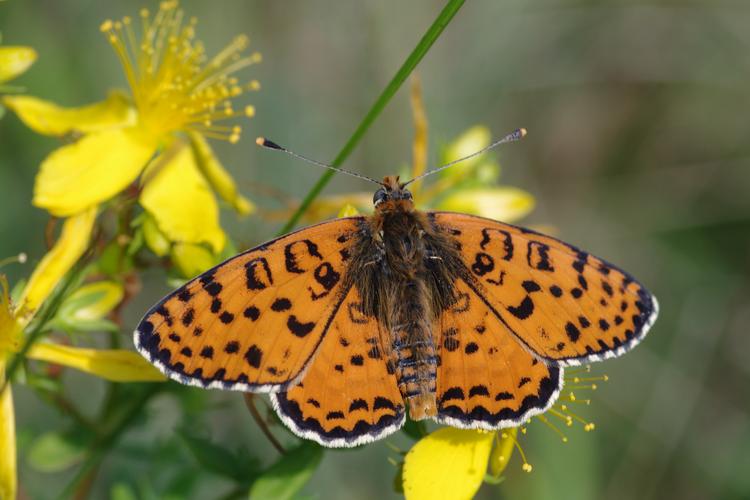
(638, 150)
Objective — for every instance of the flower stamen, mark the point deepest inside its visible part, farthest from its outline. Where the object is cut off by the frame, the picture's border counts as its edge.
(554, 428)
(21, 258)
(526, 465)
(172, 83)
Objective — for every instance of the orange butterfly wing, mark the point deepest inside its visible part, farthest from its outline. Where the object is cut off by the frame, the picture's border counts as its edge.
(564, 305)
(349, 395)
(486, 379)
(254, 322)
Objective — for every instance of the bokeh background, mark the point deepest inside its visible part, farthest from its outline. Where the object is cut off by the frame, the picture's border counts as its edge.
(639, 151)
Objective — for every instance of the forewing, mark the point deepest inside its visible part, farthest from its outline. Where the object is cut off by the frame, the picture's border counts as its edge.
(486, 379)
(565, 305)
(348, 396)
(253, 322)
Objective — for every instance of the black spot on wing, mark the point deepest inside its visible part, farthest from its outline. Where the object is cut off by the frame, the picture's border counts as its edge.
(252, 312)
(298, 328)
(572, 331)
(254, 356)
(290, 257)
(383, 403)
(524, 309)
(483, 264)
(452, 393)
(537, 256)
(507, 241)
(479, 390)
(281, 304)
(258, 274)
(358, 404)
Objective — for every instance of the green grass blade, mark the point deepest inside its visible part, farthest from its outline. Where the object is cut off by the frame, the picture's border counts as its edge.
(429, 38)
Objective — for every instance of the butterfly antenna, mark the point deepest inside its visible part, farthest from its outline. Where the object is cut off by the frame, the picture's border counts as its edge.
(513, 136)
(262, 141)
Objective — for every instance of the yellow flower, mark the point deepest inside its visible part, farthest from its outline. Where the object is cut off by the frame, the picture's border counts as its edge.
(48, 118)
(8, 481)
(348, 210)
(452, 463)
(178, 99)
(504, 203)
(89, 303)
(191, 260)
(182, 219)
(116, 365)
(470, 141)
(447, 464)
(14, 61)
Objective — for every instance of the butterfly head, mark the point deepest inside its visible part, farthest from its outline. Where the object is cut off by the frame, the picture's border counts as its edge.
(392, 194)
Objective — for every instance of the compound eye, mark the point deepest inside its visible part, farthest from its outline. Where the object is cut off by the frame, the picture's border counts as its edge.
(379, 196)
(407, 195)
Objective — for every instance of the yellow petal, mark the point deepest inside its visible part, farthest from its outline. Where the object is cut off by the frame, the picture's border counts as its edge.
(218, 177)
(502, 452)
(8, 480)
(10, 330)
(116, 365)
(73, 241)
(469, 142)
(97, 167)
(348, 210)
(47, 118)
(192, 260)
(503, 203)
(155, 239)
(448, 464)
(179, 198)
(14, 61)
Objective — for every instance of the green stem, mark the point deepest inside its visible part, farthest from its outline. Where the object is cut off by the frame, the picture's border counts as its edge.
(39, 324)
(114, 425)
(429, 38)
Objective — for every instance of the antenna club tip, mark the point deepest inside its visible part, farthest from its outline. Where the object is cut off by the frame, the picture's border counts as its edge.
(262, 141)
(523, 132)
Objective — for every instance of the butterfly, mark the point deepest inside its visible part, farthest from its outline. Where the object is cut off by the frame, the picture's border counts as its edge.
(352, 322)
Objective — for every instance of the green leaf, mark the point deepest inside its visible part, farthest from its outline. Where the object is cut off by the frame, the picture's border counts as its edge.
(181, 485)
(122, 491)
(94, 325)
(85, 309)
(54, 452)
(114, 260)
(424, 45)
(17, 291)
(218, 460)
(155, 239)
(136, 243)
(490, 479)
(286, 477)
